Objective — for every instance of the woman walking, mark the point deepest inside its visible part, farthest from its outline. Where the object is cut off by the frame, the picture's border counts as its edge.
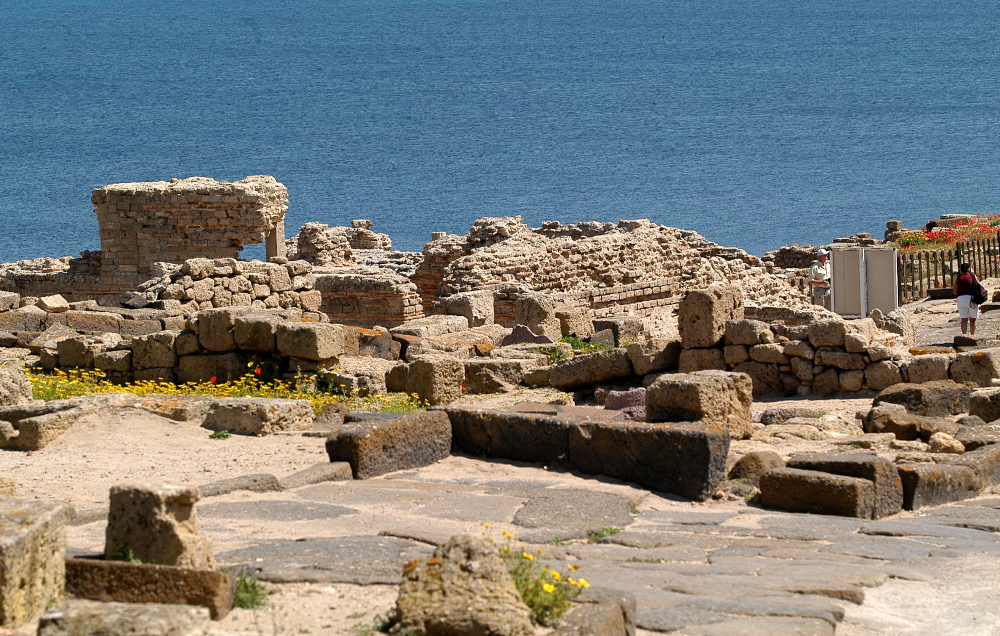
(967, 310)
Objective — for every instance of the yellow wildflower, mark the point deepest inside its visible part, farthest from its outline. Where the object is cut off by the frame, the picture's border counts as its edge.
(549, 588)
(572, 568)
(528, 556)
(507, 535)
(584, 584)
(555, 575)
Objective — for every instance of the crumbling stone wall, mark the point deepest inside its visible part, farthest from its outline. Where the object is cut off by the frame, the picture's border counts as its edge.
(172, 221)
(365, 296)
(323, 245)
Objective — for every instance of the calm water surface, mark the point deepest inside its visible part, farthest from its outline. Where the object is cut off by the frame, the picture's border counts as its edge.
(757, 123)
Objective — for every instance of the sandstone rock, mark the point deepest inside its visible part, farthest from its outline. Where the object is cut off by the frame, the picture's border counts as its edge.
(935, 484)
(15, 387)
(53, 304)
(888, 489)
(9, 300)
(605, 338)
(464, 589)
(375, 447)
(94, 618)
(826, 382)
(748, 332)
(827, 333)
(839, 359)
(941, 442)
(942, 397)
(259, 416)
(927, 368)
(32, 553)
(799, 349)
(802, 368)
(522, 335)
(537, 312)
(752, 466)
(765, 377)
(153, 351)
(735, 354)
(432, 326)
(906, 426)
(626, 330)
(714, 397)
(817, 492)
(528, 437)
(574, 322)
(198, 268)
(475, 306)
(157, 524)
(654, 354)
(187, 343)
(256, 331)
(771, 417)
(692, 360)
(632, 403)
(224, 367)
(882, 375)
(897, 322)
(590, 369)
(495, 375)
(436, 379)
(973, 436)
(851, 380)
(769, 353)
(215, 328)
(978, 368)
(310, 340)
(702, 315)
(29, 318)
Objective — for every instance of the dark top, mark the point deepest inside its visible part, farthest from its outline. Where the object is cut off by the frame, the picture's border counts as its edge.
(964, 284)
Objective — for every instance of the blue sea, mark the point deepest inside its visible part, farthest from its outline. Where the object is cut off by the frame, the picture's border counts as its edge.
(757, 123)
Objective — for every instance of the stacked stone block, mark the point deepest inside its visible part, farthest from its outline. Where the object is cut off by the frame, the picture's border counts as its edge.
(367, 296)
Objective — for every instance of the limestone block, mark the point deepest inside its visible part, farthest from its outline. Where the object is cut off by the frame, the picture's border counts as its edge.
(198, 268)
(765, 377)
(476, 306)
(817, 492)
(537, 312)
(187, 343)
(703, 313)
(769, 353)
(975, 367)
(574, 322)
(436, 379)
(29, 318)
(748, 332)
(15, 387)
(826, 382)
(75, 352)
(256, 331)
(944, 443)
(897, 322)
(827, 333)
(203, 290)
(375, 447)
(522, 335)
(93, 618)
(714, 397)
(985, 403)
(215, 328)
(692, 360)
(310, 300)
(851, 380)
(936, 484)
(310, 340)
(137, 583)
(32, 558)
(495, 375)
(53, 304)
(799, 349)
(881, 375)
(431, 326)
(259, 416)
(840, 360)
(157, 524)
(752, 466)
(856, 343)
(9, 300)
(224, 367)
(943, 397)
(878, 470)
(735, 354)
(626, 330)
(927, 368)
(907, 426)
(153, 351)
(465, 588)
(654, 354)
(631, 402)
(975, 433)
(590, 369)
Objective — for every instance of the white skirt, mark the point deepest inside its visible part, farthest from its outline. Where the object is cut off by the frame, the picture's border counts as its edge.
(966, 308)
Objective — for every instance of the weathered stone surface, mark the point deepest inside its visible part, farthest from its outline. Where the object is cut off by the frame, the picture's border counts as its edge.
(157, 524)
(93, 618)
(215, 328)
(978, 368)
(317, 474)
(985, 461)
(432, 326)
(686, 459)
(475, 306)
(799, 349)
(703, 313)
(769, 353)
(878, 470)
(748, 332)
(254, 482)
(817, 492)
(735, 354)
(851, 380)
(509, 435)
(154, 351)
(375, 447)
(606, 617)
(55, 304)
(436, 379)
(310, 340)
(537, 312)
(259, 416)
(224, 367)
(944, 443)
(495, 375)
(9, 300)
(76, 352)
(714, 397)
(118, 360)
(574, 322)
(464, 589)
(626, 330)
(840, 359)
(764, 377)
(590, 369)
(654, 354)
(881, 375)
(692, 360)
(8, 488)
(38, 427)
(32, 553)
(754, 464)
(604, 338)
(942, 397)
(978, 435)
(15, 388)
(935, 484)
(256, 331)
(827, 333)
(906, 426)
(928, 368)
(632, 403)
(124, 582)
(985, 403)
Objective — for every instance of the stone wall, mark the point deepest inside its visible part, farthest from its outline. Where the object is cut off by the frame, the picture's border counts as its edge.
(367, 296)
(323, 245)
(145, 223)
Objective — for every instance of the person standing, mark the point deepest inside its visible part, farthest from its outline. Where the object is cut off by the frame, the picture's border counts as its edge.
(968, 311)
(819, 279)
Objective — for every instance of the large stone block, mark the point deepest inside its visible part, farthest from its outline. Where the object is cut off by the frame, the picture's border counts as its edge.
(626, 330)
(76, 351)
(118, 360)
(907, 426)
(375, 447)
(817, 492)
(973, 436)
(257, 331)
(936, 484)
(985, 403)
(574, 321)
(259, 416)
(878, 470)
(537, 312)
(703, 313)
(840, 360)
(153, 351)
(590, 369)
(15, 387)
(94, 618)
(224, 367)
(32, 558)
(682, 459)
(464, 588)
(773, 353)
(124, 582)
(475, 306)
(37, 427)
(972, 367)
(748, 332)
(310, 340)
(495, 375)
(985, 462)
(215, 328)
(436, 379)
(882, 374)
(765, 378)
(754, 464)
(156, 524)
(95, 321)
(431, 326)
(928, 368)
(942, 397)
(654, 354)
(827, 333)
(28, 318)
(9, 300)
(508, 435)
(692, 360)
(713, 397)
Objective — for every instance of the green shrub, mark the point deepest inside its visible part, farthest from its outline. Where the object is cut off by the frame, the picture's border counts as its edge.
(249, 592)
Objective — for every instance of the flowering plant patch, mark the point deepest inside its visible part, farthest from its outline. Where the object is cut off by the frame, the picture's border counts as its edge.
(946, 238)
